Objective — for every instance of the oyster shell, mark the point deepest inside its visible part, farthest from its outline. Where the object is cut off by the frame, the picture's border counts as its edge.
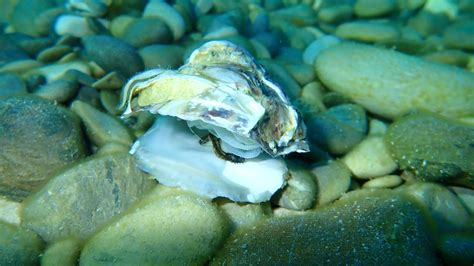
(223, 90)
(220, 94)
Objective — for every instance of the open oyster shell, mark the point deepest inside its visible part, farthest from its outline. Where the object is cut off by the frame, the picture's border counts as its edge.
(222, 128)
(221, 88)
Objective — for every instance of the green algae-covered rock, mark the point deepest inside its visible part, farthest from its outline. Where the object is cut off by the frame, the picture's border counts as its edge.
(168, 227)
(433, 148)
(37, 138)
(19, 246)
(79, 200)
(365, 227)
(390, 83)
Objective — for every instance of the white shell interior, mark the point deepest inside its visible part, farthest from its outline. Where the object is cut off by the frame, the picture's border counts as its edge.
(172, 153)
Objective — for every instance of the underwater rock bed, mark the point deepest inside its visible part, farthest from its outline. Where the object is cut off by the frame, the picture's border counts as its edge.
(212, 132)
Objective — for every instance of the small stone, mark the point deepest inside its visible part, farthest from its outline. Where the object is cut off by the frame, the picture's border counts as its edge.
(33, 45)
(63, 252)
(410, 4)
(439, 203)
(59, 90)
(119, 24)
(11, 85)
(90, 8)
(457, 248)
(20, 67)
(466, 196)
(147, 31)
(78, 201)
(9, 50)
(335, 14)
(333, 180)
(162, 56)
(377, 127)
(110, 101)
(26, 12)
(53, 53)
(374, 8)
(43, 23)
(165, 12)
(111, 81)
(101, 128)
(19, 246)
(369, 228)
(332, 99)
(30, 131)
(298, 15)
(261, 52)
(9, 211)
(300, 191)
(169, 226)
(460, 35)
(376, 79)
(370, 158)
(113, 54)
(449, 56)
(113, 148)
(368, 31)
(427, 23)
(388, 181)
(310, 102)
(433, 148)
(243, 214)
(89, 95)
(55, 71)
(338, 129)
(302, 73)
(314, 49)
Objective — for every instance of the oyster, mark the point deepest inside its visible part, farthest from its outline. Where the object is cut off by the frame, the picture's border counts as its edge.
(225, 125)
(222, 90)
